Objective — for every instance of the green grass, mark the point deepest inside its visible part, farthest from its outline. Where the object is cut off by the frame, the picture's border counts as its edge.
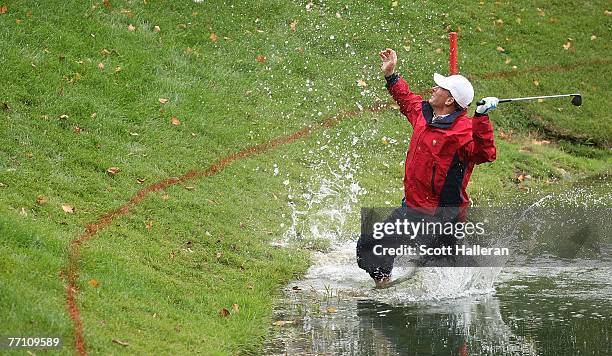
(161, 289)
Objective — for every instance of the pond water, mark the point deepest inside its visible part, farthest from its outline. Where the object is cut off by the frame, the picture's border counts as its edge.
(562, 309)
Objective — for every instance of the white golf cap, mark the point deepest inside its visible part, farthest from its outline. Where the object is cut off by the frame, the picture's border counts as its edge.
(460, 88)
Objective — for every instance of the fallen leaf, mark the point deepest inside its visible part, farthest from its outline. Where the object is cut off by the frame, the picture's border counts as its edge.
(106, 3)
(118, 69)
(593, 37)
(478, 29)
(536, 83)
(41, 200)
(175, 121)
(93, 282)
(156, 29)
(219, 255)
(214, 38)
(149, 225)
(499, 22)
(181, 26)
(293, 25)
(567, 44)
(236, 308)
(165, 197)
(250, 286)
(606, 12)
(172, 254)
(131, 28)
(5, 106)
(539, 143)
(113, 170)
(394, 106)
(362, 83)
(140, 180)
(508, 60)
(332, 310)
(104, 52)
(500, 49)
(120, 342)
(68, 208)
(541, 12)
(439, 50)
(338, 15)
(77, 129)
(163, 101)
(190, 187)
(261, 58)
(283, 322)
(3, 9)
(23, 212)
(224, 312)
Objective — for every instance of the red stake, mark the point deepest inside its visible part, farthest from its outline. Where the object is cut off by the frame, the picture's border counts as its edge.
(453, 53)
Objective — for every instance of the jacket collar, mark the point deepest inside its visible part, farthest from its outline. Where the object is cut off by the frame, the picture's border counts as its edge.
(443, 123)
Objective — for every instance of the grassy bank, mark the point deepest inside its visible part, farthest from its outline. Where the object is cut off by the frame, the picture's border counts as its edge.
(159, 88)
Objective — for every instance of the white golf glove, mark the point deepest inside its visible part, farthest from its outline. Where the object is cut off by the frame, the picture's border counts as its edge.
(490, 104)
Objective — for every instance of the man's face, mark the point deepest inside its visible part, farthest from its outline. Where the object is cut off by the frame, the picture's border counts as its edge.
(440, 97)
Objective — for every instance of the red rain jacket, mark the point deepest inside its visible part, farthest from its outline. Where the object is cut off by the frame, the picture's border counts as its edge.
(442, 154)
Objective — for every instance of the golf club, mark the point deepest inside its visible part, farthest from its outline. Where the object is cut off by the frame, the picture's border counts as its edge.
(576, 99)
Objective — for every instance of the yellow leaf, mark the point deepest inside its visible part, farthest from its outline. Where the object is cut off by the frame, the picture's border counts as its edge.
(41, 200)
(261, 58)
(163, 101)
(293, 25)
(131, 27)
(68, 208)
(567, 44)
(235, 308)
(101, 66)
(332, 310)
(113, 170)
(362, 83)
(156, 29)
(93, 282)
(500, 49)
(175, 121)
(213, 37)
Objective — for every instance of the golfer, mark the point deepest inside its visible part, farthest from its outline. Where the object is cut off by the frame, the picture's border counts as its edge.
(446, 144)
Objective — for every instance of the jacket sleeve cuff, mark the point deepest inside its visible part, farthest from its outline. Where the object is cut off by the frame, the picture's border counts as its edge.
(392, 79)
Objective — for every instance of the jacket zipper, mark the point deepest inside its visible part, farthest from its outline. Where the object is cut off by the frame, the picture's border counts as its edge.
(433, 179)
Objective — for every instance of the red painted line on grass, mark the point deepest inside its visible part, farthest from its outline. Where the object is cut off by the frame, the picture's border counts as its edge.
(71, 272)
(213, 169)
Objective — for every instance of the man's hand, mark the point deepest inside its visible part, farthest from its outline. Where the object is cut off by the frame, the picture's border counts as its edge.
(389, 61)
(490, 104)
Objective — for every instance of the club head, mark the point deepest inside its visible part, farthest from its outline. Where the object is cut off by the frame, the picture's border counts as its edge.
(577, 100)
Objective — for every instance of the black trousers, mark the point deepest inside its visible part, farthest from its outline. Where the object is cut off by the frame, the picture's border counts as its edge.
(380, 266)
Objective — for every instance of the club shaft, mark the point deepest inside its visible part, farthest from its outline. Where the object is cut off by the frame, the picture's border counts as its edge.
(536, 97)
(530, 98)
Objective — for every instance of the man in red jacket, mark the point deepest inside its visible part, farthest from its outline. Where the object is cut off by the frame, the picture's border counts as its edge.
(445, 146)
